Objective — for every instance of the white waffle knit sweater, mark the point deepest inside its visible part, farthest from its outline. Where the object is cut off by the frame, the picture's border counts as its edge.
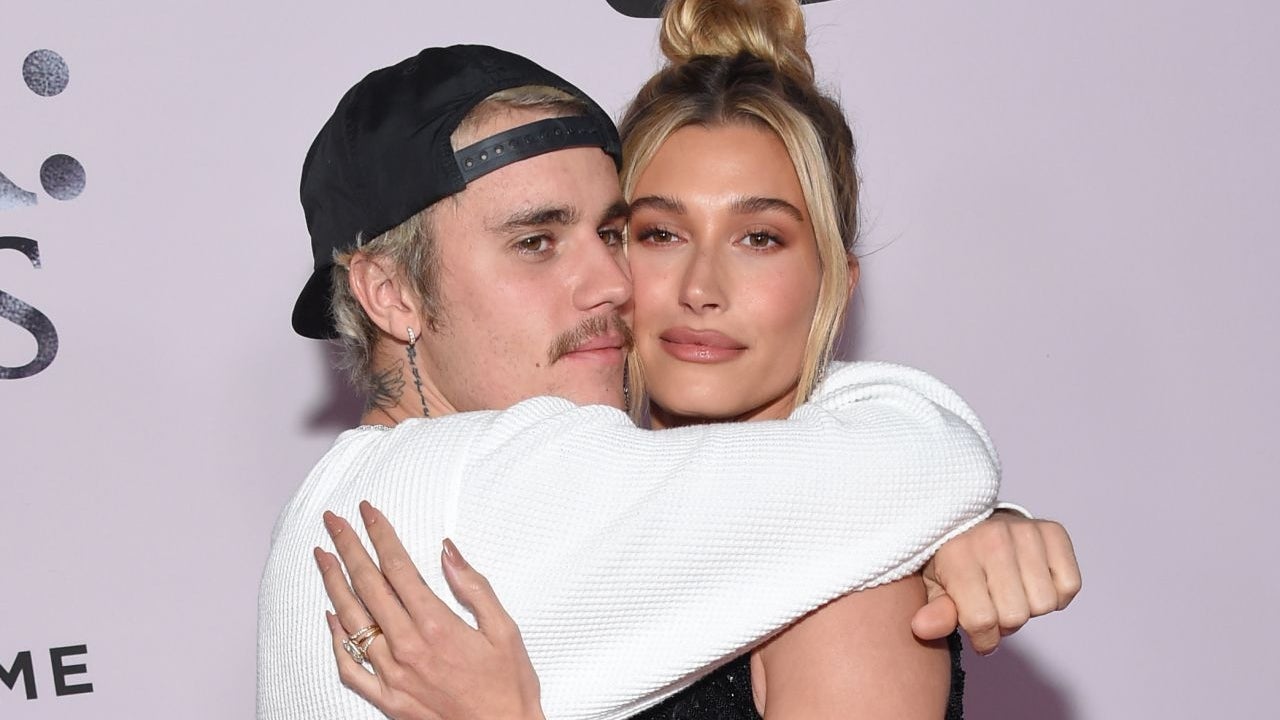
(633, 560)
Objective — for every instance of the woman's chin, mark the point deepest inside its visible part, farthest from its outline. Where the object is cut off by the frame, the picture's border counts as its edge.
(692, 410)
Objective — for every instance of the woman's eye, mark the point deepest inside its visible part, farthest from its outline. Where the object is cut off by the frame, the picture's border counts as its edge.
(761, 240)
(533, 245)
(658, 237)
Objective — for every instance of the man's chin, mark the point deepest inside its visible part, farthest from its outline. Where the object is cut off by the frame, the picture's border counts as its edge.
(604, 391)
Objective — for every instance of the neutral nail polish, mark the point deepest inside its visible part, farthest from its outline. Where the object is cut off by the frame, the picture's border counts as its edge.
(367, 513)
(453, 556)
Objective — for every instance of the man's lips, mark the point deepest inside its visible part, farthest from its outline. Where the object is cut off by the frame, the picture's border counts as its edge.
(601, 342)
(700, 346)
(608, 348)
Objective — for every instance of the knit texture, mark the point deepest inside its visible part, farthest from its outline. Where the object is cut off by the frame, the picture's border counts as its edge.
(633, 560)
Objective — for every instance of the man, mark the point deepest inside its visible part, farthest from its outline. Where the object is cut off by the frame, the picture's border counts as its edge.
(466, 222)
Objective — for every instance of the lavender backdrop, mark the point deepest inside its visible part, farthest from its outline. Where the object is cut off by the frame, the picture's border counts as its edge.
(1070, 217)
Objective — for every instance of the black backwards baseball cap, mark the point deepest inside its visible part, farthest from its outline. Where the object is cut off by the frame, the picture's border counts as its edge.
(385, 154)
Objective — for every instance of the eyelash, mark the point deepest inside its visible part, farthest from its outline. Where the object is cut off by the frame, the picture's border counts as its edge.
(522, 245)
(650, 235)
(613, 236)
(774, 241)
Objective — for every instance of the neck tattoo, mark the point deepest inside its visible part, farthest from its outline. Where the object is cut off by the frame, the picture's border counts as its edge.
(417, 378)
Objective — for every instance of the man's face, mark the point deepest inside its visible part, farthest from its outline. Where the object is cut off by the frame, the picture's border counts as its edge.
(533, 282)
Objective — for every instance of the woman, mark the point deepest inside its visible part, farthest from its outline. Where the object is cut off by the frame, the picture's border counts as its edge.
(744, 200)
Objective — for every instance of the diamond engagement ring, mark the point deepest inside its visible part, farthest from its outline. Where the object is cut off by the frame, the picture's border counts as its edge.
(357, 644)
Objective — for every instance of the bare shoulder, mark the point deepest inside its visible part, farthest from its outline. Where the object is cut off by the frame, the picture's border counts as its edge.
(855, 656)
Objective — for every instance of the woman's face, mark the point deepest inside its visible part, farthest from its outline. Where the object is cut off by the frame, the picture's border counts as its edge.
(726, 274)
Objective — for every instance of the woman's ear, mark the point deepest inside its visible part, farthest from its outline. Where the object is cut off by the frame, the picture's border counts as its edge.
(383, 294)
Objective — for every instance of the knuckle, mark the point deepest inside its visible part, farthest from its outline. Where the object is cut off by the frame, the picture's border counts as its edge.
(507, 633)
(1043, 605)
(1025, 532)
(397, 564)
(477, 589)
(994, 538)
(1068, 589)
(1054, 527)
(431, 629)
(368, 584)
(392, 677)
(1013, 619)
(984, 643)
(411, 653)
(980, 623)
(479, 584)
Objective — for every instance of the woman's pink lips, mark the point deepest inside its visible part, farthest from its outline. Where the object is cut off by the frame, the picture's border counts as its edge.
(700, 346)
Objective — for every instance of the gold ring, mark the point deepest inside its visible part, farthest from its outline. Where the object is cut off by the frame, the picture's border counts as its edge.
(357, 644)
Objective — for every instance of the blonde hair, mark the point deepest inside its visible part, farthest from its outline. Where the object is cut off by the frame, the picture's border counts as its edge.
(410, 247)
(730, 61)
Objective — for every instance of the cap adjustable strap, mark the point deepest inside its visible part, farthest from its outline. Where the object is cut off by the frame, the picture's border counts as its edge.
(526, 141)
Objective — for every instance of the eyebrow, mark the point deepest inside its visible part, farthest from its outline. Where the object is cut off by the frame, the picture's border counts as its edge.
(618, 210)
(538, 216)
(742, 205)
(752, 205)
(658, 202)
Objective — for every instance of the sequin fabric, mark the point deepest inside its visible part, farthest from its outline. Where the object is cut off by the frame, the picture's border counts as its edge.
(723, 695)
(726, 693)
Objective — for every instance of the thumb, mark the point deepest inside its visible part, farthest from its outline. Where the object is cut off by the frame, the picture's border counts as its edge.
(473, 590)
(936, 620)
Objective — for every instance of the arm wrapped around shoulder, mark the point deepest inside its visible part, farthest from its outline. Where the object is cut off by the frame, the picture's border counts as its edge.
(633, 559)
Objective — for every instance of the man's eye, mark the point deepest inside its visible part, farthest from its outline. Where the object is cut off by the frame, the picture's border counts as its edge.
(535, 245)
(612, 236)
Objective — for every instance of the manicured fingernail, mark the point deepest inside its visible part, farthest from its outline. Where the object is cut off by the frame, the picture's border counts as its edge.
(367, 513)
(453, 556)
(332, 523)
(318, 554)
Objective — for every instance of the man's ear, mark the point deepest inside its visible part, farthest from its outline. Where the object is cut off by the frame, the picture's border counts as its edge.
(854, 274)
(384, 295)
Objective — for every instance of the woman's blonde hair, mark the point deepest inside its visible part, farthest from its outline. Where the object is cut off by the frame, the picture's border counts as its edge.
(745, 61)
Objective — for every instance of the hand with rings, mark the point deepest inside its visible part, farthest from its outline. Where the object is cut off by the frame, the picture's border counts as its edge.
(402, 649)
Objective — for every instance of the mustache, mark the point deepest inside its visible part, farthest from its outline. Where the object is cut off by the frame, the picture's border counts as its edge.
(589, 328)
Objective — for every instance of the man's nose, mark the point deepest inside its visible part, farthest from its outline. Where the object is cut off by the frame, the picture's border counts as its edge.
(604, 278)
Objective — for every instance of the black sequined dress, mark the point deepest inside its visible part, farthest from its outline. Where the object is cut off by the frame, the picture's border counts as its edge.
(726, 693)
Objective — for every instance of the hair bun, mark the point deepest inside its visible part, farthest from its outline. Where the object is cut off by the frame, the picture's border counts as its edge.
(772, 30)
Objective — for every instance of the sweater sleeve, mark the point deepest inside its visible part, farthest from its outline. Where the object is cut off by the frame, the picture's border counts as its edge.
(635, 560)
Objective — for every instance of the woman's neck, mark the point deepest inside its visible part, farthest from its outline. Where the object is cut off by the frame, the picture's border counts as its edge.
(778, 409)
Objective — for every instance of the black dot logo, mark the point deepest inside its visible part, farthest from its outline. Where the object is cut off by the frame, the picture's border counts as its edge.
(46, 73)
(62, 176)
